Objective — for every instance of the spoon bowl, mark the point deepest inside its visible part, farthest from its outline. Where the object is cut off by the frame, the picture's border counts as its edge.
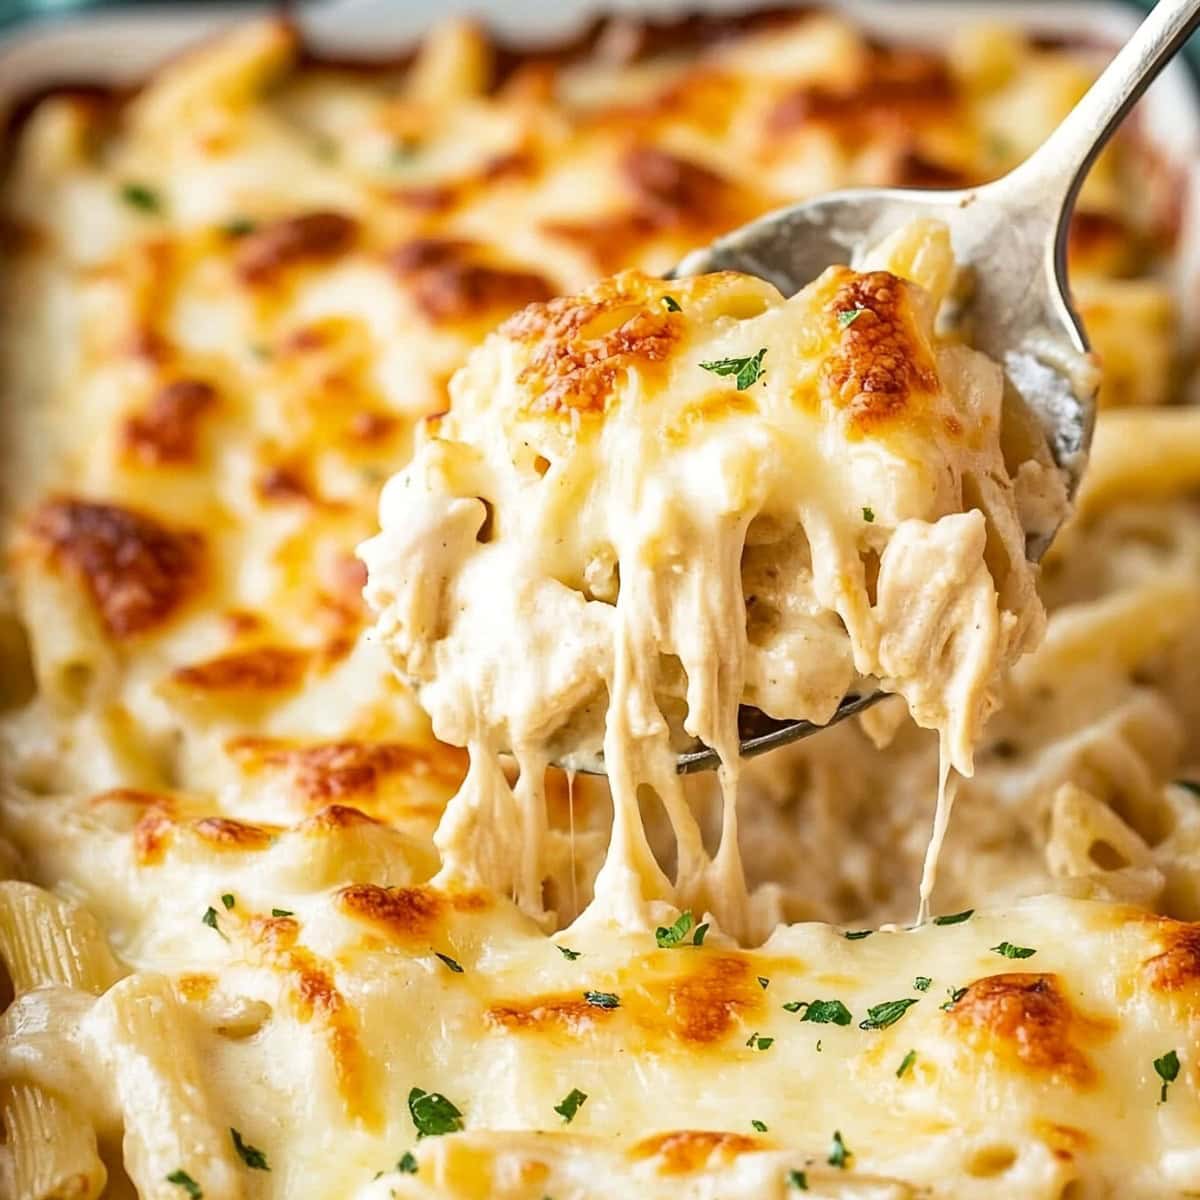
(1012, 235)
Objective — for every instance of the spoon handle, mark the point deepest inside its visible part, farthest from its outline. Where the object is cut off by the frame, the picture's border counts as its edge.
(1054, 173)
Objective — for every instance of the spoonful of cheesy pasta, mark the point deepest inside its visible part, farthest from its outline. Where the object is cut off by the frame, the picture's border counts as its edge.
(668, 523)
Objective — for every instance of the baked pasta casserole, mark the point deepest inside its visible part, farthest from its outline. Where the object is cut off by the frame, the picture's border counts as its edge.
(264, 936)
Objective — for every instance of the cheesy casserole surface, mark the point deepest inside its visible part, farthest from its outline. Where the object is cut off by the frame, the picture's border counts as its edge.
(235, 962)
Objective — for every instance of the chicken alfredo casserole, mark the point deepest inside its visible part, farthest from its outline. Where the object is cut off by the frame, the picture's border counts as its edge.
(259, 943)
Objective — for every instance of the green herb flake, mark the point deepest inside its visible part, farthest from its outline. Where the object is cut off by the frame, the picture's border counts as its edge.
(797, 1180)
(237, 227)
(228, 900)
(1008, 950)
(183, 1180)
(210, 919)
(953, 996)
(868, 515)
(671, 935)
(880, 1016)
(700, 934)
(138, 195)
(746, 371)
(567, 953)
(282, 912)
(955, 918)
(433, 1114)
(454, 966)
(755, 1042)
(763, 982)
(570, 1104)
(603, 999)
(670, 303)
(820, 1012)
(1167, 1069)
(1189, 785)
(922, 982)
(905, 1063)
(407, 1164)
(857, 935)
(848, 316)
(254, 1158)
(760, 1126)
(838, 1154)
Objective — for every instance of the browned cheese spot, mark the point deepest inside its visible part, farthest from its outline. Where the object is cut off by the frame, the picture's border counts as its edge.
(262, 669)
(448, 283)
(571, 368)
(708, 998)
(137, 571)
(336, 770)
(230, 834)
(166, 431)
(151, 837)
(311, 237)
(407, 913)
(1176, 967)
(567, 1014)
(881, 367)
(687, 1150)
(315, 997)
(1027, 1019)
(895, 91)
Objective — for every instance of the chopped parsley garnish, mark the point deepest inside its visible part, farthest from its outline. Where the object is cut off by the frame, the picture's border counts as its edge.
(432, 1113)
(761, 1126)
(671, 935)
(759, 1043)
(570, 1104)
(210, 919)
(670, 303)
(906, 1062)
(837, 1151)
(138, 195)
(1167, 1069)
(746, 371)
(763, 982)
(602, 999)
(228, 900)
(184, 1180)
(237, 227)
(407, 1164)
(880, 1016)
(821, 1012)
(797, 1180)
(922, 982)
(955, 918)
(1010, 951)
(567, 953)
(857, 935)
(456, 967)
(848, 316)
(282, 912)
(700, 934)
(254, 1158)
(868, 514)
(953, 996)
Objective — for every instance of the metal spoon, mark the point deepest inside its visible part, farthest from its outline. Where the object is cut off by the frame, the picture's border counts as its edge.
(1013, 233)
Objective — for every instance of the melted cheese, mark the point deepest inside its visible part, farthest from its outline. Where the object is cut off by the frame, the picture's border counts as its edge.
(228, 300)
(655, 501)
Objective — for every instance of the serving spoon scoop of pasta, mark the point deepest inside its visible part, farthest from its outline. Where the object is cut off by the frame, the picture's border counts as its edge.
(1012, 234)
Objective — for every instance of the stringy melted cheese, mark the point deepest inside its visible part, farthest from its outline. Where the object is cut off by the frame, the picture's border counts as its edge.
(653, 501)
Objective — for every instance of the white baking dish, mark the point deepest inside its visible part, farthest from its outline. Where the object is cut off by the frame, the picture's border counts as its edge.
(120, 46)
